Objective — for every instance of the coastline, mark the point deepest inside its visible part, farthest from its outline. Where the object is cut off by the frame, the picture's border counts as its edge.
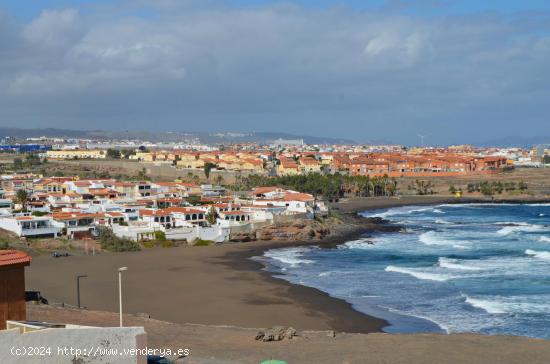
(354, 206)
(216, 285)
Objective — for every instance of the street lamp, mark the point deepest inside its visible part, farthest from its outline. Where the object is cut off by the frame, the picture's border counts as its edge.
(120, 270)
(78, 288)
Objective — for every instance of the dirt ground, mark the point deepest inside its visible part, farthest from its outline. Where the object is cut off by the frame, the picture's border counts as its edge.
(234, 345)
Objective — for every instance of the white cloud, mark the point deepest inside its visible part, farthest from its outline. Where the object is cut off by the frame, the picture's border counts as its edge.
(54, 28)
(264, 63)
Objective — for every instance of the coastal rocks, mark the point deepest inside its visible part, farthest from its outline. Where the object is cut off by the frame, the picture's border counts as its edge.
(276, 333)
(301, 229)
(242, 237)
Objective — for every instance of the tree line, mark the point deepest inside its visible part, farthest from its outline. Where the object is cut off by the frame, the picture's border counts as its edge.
(330, 187)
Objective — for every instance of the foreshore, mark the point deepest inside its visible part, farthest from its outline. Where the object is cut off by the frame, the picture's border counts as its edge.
(215, 285)
(219, 285)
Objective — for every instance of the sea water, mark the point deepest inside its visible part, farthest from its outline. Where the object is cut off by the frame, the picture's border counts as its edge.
(481, 268)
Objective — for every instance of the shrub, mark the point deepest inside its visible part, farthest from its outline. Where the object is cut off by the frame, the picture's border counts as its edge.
(109, 241)
(201, 242)
(160, 235)
(39, 213)
(4, 245)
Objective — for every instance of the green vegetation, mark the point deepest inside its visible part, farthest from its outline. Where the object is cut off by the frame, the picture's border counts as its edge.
(21, 197)
(496, 187)
(30, 161)
(212, 215)
(40, 213)
(113, 153)
(201, 242)
(207, 168)
(160, 235)
(109, 241)
(330, 187)
(4, 245)
(194, 199)
(126, 153)
(422, 187)
(546, 159)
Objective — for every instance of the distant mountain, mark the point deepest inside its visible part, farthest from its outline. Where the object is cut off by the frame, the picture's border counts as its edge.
(204, 137)
(513, 141)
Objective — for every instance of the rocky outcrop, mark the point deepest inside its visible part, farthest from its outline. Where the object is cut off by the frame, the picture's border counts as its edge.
(276, 333)
(301, 229)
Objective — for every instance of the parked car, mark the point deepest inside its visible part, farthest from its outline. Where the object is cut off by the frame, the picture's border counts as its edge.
(35, 296)
(58, 254)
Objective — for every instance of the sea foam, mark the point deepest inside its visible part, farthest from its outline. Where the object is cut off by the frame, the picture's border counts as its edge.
(455, 264)
(538, 254)
(523, 228)
(419, 274)
(488, 306)
(291, 257)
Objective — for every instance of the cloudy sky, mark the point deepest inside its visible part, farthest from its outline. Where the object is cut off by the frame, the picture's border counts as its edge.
(453, 70)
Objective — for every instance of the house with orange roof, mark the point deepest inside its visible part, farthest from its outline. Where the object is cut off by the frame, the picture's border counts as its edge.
(77, 223)
(309, 165)
(288, 167)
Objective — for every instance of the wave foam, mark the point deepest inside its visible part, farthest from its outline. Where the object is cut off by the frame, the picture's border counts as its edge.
(544, 239)
(512, 304)
(434, 238)
(538, 254)
(358, 244)
(455, 264)
(524, 228)
(488, 306)
(291, 257)
(419, 274)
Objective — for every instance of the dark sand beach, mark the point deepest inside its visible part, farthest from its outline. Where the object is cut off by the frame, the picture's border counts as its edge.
(220, 285)
(204, 285)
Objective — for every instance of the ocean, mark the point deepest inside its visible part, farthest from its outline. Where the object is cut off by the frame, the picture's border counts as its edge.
(481, 268)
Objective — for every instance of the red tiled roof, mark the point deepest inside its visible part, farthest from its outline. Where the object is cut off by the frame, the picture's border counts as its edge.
(10, 257)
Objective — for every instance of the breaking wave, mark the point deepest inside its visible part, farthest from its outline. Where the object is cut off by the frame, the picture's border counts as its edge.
(291, 257)
(419, 274)
(455, 264)
(526, 228)
(512, 304)
(538, 254)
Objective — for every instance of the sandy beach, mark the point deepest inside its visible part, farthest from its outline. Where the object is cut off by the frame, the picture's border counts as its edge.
(220, 285)
(214, 285)
(203, 285)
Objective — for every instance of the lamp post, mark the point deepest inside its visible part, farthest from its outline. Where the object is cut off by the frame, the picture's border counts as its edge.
(120, 270)
(78, 288)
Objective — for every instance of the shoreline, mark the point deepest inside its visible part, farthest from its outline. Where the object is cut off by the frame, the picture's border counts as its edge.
(216, 285)
(355, 206)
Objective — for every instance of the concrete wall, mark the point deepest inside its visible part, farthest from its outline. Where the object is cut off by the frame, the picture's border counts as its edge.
(103, 341)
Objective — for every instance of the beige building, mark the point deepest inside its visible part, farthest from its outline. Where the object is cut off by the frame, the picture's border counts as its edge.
(77, 154)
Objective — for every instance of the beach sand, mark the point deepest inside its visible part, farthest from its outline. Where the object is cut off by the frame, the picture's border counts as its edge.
(204, 285)
(220, 285)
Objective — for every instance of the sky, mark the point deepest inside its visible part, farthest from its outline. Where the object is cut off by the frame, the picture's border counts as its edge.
(462, 71)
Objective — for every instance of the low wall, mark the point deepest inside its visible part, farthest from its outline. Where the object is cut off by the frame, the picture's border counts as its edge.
(105, 341)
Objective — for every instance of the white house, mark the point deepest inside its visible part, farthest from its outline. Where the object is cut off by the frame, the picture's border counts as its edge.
(31, 225)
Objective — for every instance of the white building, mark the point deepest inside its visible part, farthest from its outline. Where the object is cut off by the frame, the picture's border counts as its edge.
(29, 226)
